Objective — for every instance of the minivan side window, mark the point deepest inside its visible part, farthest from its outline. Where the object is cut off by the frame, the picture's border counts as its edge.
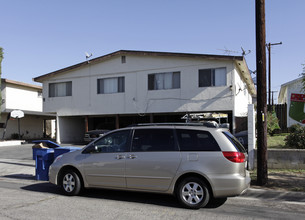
(196, 140)
(111, 143)
(153, 140)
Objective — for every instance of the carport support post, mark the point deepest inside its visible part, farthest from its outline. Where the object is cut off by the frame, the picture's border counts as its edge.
(19, 128)
(86, 123)
(117, 121)
(251, 136)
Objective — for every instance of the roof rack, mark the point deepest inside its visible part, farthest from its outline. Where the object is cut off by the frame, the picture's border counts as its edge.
(174, 123)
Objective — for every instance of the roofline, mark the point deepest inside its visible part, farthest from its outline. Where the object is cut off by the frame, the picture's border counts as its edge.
(284, 87)
(136, 52)
(27, 112)
(21, 84)
(292, 81)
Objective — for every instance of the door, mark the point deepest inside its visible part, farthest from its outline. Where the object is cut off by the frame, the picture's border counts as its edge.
(153, 160)
(104, 163)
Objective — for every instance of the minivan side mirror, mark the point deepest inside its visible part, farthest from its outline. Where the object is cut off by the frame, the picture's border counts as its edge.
(92, 148)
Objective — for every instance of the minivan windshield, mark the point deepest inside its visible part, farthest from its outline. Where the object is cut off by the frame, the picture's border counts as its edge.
(235, 142)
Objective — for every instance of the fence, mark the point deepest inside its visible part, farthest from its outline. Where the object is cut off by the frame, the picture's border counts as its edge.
(281, 113)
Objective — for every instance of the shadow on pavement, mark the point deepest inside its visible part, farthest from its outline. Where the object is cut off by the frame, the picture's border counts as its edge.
(44, 187)
(20, 176)
(117, 195)
(19, 164)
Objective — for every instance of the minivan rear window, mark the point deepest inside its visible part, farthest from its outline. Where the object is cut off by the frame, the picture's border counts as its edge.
(235, 142)
(196, 140)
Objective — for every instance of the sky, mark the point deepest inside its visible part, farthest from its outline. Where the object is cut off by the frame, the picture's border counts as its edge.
(41, 36)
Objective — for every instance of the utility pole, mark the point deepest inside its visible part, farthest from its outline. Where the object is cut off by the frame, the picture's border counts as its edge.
(262, 170)
(269, 72)
(272, 97)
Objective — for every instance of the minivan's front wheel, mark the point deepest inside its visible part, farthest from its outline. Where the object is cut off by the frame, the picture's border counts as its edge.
(70, 183)
(193, 193)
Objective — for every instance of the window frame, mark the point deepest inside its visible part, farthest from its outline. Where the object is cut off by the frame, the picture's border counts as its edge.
(212, 77)
(120, 87)
(175, 81)
(54, 86)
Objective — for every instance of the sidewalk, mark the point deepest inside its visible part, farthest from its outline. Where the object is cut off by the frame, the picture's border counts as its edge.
(275, 195)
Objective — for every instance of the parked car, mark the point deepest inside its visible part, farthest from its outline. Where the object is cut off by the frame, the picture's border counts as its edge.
(242, 137)
(93, 135)
(195, 163)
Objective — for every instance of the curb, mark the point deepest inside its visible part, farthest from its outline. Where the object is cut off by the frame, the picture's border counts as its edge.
(275, 195)
(11, 143)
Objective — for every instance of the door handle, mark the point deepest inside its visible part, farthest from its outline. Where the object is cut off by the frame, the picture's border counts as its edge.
(119, 157)
(132, 156)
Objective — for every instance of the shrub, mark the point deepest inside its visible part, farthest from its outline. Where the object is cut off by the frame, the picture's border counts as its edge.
(296, 138)
(272, 123)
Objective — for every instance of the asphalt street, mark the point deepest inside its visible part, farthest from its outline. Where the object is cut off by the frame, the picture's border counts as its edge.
(22, 197)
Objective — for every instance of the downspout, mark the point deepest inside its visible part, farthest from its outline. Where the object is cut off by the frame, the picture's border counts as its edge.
(57, 130)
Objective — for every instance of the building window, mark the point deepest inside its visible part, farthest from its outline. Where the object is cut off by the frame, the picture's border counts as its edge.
(212, 77)
(111, 85)
(60, 89)
(123, 59)
(159, 81)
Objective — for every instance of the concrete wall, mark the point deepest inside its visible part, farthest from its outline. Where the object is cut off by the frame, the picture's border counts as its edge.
(242, 96)
(285, 159)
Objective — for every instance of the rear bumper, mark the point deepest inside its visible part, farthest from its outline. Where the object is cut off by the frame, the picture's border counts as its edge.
(228, 185)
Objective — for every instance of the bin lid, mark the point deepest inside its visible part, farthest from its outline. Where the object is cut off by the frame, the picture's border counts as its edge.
(50, 144)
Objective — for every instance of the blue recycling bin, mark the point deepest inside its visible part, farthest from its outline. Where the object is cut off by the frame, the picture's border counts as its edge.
(47, 143)
(44, 158)
(61, 150)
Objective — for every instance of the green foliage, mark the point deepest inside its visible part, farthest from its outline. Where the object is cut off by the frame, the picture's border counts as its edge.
(296, 138)
(272, 123)
(276, 141)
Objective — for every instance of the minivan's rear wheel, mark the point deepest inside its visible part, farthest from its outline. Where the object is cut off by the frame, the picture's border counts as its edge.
(70, 183)
(193, 193)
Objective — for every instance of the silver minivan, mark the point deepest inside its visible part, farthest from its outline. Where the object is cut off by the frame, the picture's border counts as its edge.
(195, 163)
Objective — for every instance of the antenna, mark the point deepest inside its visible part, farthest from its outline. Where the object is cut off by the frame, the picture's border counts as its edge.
(88, 56)
(228, 52)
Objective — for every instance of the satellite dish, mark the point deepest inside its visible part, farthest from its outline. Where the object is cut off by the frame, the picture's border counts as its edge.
(17, 114)
(88, 55)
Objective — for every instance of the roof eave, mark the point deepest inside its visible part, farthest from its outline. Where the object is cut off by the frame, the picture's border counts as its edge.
(140, 53)
(246, 76)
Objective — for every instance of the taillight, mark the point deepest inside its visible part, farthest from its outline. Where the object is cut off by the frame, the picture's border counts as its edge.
(236, 157)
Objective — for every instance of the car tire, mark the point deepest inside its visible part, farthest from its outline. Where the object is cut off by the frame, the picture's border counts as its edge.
(193, 193)
(70, 183)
